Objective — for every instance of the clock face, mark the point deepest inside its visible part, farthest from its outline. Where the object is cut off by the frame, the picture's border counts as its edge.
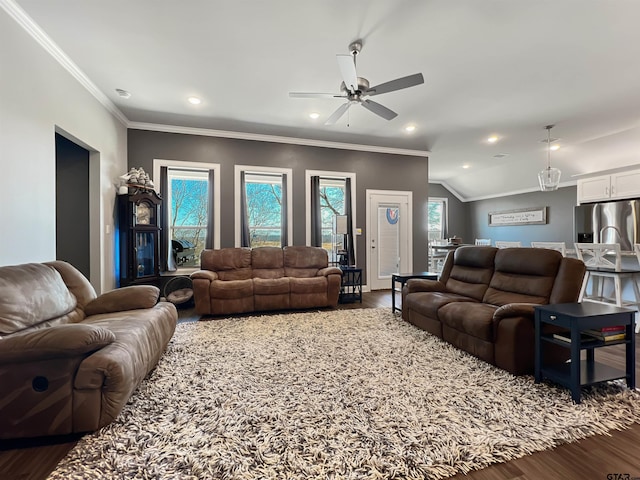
(143, 214)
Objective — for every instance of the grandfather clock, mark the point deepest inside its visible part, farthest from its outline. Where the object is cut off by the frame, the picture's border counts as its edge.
(139, 216)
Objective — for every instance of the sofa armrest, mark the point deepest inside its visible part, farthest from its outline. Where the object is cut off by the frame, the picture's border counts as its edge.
(61, 341)
(126, 298)
(325, 272)
(514, 310)
(204, 275)
(424, 285)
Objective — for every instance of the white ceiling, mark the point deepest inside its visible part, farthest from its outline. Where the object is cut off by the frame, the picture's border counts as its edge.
(503, 67)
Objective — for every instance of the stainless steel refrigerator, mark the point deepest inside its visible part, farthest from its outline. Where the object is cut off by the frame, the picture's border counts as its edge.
(608, 222)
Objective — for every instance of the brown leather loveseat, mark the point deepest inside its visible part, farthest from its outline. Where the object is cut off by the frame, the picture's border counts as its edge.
(484, 301)
(240, 280)
(69, 360)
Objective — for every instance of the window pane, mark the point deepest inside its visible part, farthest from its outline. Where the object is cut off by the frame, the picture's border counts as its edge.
(264, 205)
(435, 222)
(332, 195)
(189, 214)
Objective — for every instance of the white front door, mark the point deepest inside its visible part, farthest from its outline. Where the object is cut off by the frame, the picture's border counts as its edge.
(389, 228)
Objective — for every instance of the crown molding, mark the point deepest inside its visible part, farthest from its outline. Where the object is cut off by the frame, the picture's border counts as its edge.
(450, 188)
(569, 183)
(39, 35)
(155, 127)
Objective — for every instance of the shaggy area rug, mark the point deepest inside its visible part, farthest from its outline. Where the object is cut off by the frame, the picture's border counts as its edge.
(347, 394)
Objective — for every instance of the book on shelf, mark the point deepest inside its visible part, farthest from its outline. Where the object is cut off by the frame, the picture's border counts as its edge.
(566, 337)
(608, 336)
(610, 330)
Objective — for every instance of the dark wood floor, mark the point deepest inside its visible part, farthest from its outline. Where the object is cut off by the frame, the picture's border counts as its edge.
(600, 457)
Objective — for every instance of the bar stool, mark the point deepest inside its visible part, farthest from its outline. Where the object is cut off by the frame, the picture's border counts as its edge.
(600, 268)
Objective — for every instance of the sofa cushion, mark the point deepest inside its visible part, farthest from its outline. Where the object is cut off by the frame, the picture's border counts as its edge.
(475, 319)
(471, 271)
(521, 277)
(428, 303)
(228, 289)
(308, 285)
(304, 262)
(31, 294)
(267, 262)
(270, 286)
(229, 263)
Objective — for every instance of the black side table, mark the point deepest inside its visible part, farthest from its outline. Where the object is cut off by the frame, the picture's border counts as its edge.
(403, 278)
(351, 289)
(576, 317)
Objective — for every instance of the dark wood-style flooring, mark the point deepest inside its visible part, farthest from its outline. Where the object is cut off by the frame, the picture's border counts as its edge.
(601, 457)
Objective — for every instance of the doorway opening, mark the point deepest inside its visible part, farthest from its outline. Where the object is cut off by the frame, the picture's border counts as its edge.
(73, 239)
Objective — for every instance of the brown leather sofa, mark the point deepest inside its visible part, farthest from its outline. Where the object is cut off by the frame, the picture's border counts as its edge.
(240, 280)
(484, 301)
(69, 360)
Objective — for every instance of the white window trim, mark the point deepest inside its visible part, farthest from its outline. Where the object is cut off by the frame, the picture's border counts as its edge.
(307, 192)
(238, 169)
(158, 163)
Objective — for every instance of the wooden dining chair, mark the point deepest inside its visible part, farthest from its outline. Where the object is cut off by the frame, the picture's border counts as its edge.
(483, 241)
(559, 246)
(505, 244)
(604, 261)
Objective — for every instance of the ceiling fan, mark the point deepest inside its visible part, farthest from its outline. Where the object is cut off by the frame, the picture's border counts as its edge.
(355, 88)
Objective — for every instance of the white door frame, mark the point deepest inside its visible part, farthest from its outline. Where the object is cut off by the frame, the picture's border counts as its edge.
(406, 257)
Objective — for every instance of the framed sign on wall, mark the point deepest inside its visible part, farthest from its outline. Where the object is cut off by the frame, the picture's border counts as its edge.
(521, 216)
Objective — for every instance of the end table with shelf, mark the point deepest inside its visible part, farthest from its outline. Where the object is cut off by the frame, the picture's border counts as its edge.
(577, 317)
(351, 288)
(403, 278)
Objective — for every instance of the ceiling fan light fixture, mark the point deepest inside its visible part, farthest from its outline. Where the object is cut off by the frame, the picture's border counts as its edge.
(549, 178)
(492, 139)
(314, 115)
(194, 100)
(410, 128)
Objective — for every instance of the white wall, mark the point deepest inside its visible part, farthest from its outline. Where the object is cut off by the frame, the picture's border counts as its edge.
(37, 98)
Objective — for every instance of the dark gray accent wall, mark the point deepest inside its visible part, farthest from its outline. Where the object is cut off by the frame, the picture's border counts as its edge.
(72, 204)
(458, 218)
(559, 227)
(378, 171)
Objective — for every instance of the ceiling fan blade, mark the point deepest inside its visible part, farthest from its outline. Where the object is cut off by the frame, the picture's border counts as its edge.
(335, 116)
(348, 71)
(397, 84)
(378, 109)
(315, 95)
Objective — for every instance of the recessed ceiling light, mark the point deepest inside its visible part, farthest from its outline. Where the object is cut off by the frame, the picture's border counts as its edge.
(492, 139)
(123, 93)
(314, 115)
(410, 128)
(555, 147)
(466, 165)
(194, 100)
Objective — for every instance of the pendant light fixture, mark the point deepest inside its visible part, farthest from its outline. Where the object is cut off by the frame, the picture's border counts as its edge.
(549, 178)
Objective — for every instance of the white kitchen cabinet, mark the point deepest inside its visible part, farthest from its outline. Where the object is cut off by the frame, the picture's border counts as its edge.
(609, 187)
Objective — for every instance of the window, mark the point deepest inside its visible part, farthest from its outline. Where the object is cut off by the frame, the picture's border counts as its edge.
(330, 194)
(437, 221)
(262, 207)
(190, 211)
(188, 201)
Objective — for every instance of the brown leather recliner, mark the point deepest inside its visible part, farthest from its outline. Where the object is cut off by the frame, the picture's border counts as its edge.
(241, 280)
(484, 301)
(70, 360)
